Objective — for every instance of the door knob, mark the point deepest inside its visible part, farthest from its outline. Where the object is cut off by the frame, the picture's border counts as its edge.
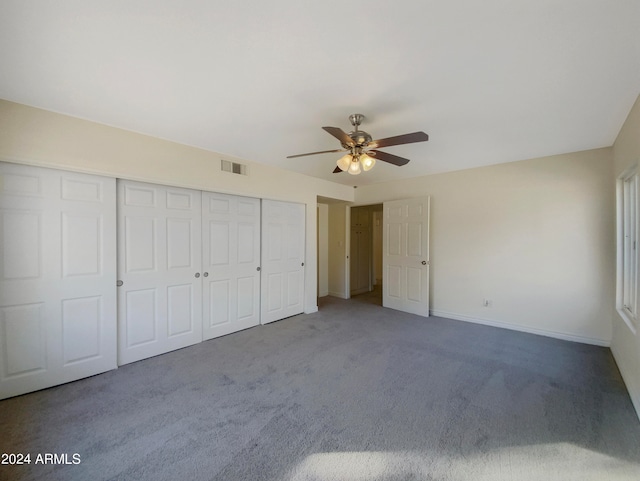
(197, 275)
(206, 274)
(258, 269)
(424, 263)
(119, 283)
(302, 264)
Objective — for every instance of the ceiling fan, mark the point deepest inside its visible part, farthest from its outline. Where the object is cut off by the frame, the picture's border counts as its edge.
(362, 150)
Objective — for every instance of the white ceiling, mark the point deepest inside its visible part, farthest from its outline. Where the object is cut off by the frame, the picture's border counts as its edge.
(490, 81)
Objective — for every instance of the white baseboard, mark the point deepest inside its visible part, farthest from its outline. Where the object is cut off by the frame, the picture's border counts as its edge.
(338, 294)
(531, 330)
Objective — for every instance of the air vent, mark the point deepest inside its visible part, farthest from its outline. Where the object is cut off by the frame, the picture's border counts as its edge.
(233, 167)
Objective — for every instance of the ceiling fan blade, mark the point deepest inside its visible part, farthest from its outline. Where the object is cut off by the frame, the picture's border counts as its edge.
(399, 140)
(314, 153)
(392, 159)
(337, 170)
(339, 134)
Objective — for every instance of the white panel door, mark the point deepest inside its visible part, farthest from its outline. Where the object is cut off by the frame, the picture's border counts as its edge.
(57, 277)
(283, 243)
(405, 260)
(231, 263)
(159, 267)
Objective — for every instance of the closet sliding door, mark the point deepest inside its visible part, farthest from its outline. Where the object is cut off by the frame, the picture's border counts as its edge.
(231, 263)
(159, 270)
(57, 277)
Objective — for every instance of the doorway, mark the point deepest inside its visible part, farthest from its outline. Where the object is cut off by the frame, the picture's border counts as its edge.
(389, 257)
(365, 259)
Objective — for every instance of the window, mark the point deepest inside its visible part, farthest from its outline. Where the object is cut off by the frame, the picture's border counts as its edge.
(627, 301)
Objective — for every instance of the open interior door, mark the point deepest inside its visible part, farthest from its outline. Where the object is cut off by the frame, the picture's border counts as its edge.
(405, 257)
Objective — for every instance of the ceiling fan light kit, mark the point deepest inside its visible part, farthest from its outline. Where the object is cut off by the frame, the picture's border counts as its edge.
(344, 162)
(354, 168)
(367, 162)
(354, 164)
(362, 149)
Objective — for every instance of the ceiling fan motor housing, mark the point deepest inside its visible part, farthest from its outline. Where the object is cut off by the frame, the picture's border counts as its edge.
(360, 138)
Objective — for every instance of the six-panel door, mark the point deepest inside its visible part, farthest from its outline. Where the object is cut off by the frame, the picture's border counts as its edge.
(405, 259)
(283, 241)
(57, 277)
(231, 263)
(159, 267)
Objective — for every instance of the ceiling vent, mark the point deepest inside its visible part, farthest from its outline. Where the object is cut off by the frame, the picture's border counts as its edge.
(233, 167)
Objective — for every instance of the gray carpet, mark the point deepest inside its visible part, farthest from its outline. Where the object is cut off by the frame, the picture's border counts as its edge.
(353, 392)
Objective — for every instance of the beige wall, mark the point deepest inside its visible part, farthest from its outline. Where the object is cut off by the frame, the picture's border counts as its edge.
(46, 139)
(626, 343)
(535, 237)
